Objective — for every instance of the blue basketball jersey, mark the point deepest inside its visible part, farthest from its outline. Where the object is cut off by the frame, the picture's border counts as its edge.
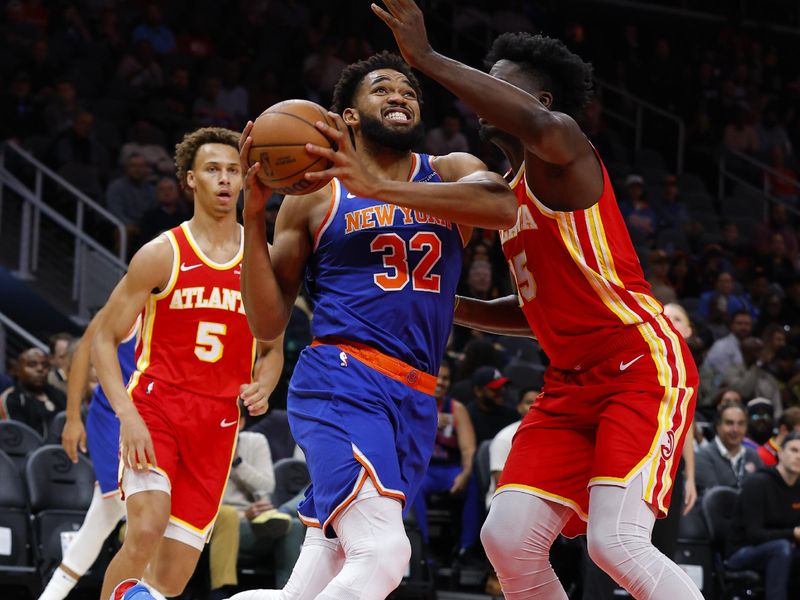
(127, 364)
(386, 276)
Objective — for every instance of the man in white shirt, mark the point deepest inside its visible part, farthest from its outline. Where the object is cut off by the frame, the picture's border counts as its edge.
(726, 351)
(501, 443)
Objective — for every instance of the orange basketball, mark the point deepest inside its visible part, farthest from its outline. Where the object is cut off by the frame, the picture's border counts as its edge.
(279, 135)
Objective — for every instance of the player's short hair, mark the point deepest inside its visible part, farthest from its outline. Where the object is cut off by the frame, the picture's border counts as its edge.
(186, 150)
(723, 406)
(560, 71)
(345, 89)
(791, 437)
(62, 336)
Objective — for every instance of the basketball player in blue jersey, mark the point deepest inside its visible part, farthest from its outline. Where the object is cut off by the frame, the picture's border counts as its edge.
(102, 438)
(380, 251)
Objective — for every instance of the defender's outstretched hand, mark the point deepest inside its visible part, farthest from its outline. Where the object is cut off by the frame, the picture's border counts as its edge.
(346, 165)
(405, 20)
(256, 192)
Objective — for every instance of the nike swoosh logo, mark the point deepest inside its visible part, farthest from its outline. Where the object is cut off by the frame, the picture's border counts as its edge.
(225, 423)
(185, 267)
(625, 365)
(349, 195)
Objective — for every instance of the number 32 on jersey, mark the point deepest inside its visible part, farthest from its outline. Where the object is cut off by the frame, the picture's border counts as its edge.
(396, 261)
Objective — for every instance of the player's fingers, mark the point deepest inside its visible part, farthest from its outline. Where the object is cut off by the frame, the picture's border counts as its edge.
(250, 176)
(244, 151)
(383, 15)
(393, 7)
(245, 133)
(332, 133)
(82, 442)
(327, 174)
(150, 454)
(71, 449)
(328, 153)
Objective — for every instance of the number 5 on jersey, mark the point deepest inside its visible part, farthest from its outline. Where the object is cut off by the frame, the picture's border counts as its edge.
(526, 285)
(395, 258)
(209, 347)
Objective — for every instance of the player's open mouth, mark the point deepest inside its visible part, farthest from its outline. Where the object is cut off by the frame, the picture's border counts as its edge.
(397, 115)
(224, 196)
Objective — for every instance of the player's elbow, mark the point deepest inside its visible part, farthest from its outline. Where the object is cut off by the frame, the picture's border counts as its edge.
(506, 211)
(265, 329)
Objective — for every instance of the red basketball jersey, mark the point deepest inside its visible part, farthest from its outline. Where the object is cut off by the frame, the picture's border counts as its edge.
(578, 277)
(195, 335)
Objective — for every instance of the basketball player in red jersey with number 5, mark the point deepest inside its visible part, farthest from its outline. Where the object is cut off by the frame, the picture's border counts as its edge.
(598, 451)
(196, 355)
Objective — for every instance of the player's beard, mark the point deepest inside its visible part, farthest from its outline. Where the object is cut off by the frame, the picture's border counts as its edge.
(400, 139)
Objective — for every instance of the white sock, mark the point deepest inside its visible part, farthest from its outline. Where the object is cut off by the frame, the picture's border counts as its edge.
(59, 586)
(153, 591)
(101, 519)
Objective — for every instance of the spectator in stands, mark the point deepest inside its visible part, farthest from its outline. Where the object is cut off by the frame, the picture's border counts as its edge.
(140, 70)
(147, 141)
(774, 338)
(788, 422)
(784, 183)
(488, 410)
(787, 371)
(671, 210)
(130, 196)
(62, 110)
(170, 211)
(32, 400)
(450, 468)
(772, 134)
(79, 157)
(734, 248)
(749, 377)
(790, 307)
(776, 264)
(765, 529)
(724, 298)
(154, 30)
(22, 114)
(263, 530)
(760, 422)
(683, 276)
(208, 111)
(657, 276)
(59, 360)
(740, 135)
(779, 222)
(501, 443)
(234, 96)
(477, 353)
(727, 351)
(479, 280)
(447, 137)
(726, 461)
(770, 314)
(5, 382)
(639, 217)
(683, 325)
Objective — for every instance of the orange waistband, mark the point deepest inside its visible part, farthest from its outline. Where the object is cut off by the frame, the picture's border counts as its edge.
(389, 366)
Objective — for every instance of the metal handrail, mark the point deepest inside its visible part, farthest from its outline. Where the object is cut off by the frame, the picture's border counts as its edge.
(28, 337)
(83, 198)
(725, 173)
(637, 122)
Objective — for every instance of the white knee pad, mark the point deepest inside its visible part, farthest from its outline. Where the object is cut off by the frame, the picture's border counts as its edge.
(376, 549)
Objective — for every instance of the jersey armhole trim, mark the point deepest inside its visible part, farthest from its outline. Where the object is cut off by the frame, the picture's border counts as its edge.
(333, 207)
(176, 259)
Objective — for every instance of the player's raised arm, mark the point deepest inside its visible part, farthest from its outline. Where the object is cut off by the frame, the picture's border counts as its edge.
(149, 269)
(502, 316)
(554, 137)
(470, 194)
(271, 278)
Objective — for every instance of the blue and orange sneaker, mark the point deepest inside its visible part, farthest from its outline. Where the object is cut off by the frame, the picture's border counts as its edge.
(131, 589)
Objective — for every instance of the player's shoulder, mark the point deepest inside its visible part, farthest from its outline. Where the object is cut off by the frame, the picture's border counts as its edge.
(456, 165)
(159, 249)
(152, 263)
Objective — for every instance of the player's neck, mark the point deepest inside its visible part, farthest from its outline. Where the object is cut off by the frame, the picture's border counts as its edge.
(383, 162)
(216, 232)
(514, 153)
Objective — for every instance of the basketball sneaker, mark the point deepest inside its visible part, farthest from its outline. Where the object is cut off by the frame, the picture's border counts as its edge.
(131, 589)
(271, 524)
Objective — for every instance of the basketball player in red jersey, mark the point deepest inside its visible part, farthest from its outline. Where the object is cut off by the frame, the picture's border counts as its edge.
(598, 451)
(179, 414)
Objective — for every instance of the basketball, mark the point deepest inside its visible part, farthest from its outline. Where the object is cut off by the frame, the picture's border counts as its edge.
(279, 135)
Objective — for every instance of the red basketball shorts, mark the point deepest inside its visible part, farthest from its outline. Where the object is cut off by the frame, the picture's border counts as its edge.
(194, 438)
(624, 416)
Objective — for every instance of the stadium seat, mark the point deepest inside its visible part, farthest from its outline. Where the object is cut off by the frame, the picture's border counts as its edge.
(482, 467)
(18, 440)
(671, 240)
(689, 183)
(717, 507)
(56, 427)
(60, 493)
(291, 477)
(16, 556)
(699, 203)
